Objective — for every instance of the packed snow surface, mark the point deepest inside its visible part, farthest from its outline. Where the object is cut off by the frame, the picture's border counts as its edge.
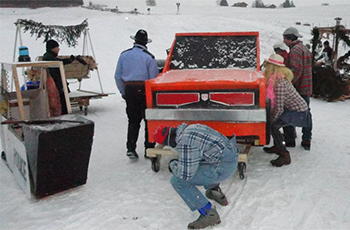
(311, 193)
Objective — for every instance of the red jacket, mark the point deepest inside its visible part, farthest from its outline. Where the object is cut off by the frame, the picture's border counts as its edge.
(284, 54)
(300, 62)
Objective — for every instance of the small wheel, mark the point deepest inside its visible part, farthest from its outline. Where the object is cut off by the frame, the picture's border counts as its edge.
(242, 167)
(155, 163)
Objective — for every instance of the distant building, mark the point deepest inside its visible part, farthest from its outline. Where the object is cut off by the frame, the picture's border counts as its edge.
(240, 4)
(40, 3)
(272, 6)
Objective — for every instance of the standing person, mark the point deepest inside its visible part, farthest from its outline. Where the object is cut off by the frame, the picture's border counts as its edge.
(205, 158)
(52, 50)
(281, 49)
(287, 106)
(300, 62)
(135, 66)
(327, 54)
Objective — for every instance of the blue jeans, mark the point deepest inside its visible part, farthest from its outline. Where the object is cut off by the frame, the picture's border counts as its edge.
(289, 131)
(289, 118)
(208, 176)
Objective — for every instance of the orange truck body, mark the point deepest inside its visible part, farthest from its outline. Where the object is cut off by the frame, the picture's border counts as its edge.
(226, 93)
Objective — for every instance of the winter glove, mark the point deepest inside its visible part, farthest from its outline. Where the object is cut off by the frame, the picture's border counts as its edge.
(123, 96)
(81, 60)
(72, 57)
(169, 166)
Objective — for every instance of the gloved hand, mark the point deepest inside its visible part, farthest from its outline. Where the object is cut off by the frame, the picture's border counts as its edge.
(169, 167)
(81, 60)
(72, 57)
(123, 96)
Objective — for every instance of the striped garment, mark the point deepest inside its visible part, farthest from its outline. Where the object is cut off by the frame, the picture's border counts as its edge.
(286, 97)
(300, 62)
(197, 144)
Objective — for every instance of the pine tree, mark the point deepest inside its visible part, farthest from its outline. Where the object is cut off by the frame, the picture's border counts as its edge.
(288, 4)
(151, 3)
(223, 3)
(258, 4)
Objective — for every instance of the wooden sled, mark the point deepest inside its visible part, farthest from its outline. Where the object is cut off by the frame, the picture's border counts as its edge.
(156, 155)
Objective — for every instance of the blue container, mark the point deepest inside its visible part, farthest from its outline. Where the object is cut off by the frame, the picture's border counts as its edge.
(23, 54)
(23, 51)
(31, 85)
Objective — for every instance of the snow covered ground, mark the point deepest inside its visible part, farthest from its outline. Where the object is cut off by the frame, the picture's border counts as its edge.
(311, 193)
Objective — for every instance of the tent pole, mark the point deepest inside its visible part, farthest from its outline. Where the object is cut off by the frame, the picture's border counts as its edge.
(84, 42)
(15, 47)
(93, 53)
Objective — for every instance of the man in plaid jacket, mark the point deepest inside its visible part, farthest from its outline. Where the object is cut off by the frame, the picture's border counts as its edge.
(300, 62)
(205, 158)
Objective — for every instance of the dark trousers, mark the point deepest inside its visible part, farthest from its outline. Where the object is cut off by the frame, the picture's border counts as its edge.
(289, 118)
(63, 103)
(289, 131)
(135, 109)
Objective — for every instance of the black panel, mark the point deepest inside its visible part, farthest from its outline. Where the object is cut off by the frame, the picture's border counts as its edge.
(193, 52)
(58, 158)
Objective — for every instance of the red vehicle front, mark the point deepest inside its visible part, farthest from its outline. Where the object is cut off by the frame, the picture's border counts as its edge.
(212, 79)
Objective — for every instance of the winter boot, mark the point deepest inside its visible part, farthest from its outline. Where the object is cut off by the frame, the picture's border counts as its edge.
(132, 155)
(306, 144)
(217, 195)
(283, 159)
(211, 218)
(272, 149)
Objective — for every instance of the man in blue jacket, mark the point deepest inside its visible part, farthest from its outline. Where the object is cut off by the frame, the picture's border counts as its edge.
(205, 158)
(135, 66)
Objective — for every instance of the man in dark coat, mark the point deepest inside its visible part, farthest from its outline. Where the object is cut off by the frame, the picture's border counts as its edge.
(52, 50)
(326, 55)
(135, 66)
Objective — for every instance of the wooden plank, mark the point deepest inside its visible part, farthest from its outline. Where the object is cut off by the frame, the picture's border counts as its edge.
(36, 63)
(158, 150)
(99, 94)
(65, 89)
(243, 152)
(18, 93)
(243, 158)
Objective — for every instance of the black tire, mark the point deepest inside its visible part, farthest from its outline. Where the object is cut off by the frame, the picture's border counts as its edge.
(242, 167)
(155, 161)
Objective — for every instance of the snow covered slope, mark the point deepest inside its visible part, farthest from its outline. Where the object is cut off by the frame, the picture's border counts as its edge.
(311, 193)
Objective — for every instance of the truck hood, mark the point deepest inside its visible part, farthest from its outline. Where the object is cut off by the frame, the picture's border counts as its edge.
(205, 75)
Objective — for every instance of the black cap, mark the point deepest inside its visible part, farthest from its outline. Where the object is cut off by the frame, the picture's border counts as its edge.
(141, 37)
(50, 44)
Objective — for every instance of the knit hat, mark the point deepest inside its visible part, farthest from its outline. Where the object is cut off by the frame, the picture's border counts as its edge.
(275, 59)
(141, 37)
(293, 31)
(165, 135)
(280, 45)
(50, 44)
